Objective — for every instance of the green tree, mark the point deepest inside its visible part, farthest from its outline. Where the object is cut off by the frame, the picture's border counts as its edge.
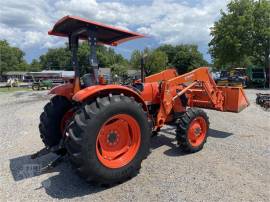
(170, 50)
(261, 41)
(184, 57)
(106, 57)
(56, 59)
(119, 69)
(60, 58)
(155, 60)
(11, 58)
(35, 66)
(241, 36)
(135, 59)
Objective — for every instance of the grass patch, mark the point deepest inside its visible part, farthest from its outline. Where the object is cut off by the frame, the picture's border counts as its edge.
(14, 89)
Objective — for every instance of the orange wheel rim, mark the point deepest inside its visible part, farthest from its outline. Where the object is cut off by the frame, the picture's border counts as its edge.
(118, 141)
(197, 131)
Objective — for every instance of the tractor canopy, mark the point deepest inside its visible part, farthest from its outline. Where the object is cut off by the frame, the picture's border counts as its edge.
(105, 34)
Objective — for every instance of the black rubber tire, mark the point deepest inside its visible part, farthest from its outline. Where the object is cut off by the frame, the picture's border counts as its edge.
(183, 124)
(35, 87)
(257, 100)
(50, 119)
(81, 144)
(155, 132)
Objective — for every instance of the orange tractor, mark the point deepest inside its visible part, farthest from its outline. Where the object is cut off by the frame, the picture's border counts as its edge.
(106, 129)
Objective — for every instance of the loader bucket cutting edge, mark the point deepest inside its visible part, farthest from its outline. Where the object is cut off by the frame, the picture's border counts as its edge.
(235, 99)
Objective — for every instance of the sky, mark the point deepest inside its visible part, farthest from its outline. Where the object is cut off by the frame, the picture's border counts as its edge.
(25, 24)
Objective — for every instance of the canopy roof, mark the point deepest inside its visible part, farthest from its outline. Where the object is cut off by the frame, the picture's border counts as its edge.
(105, 34)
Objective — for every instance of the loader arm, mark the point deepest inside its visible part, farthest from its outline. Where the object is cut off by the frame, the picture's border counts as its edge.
(202, 90)
(199, 77)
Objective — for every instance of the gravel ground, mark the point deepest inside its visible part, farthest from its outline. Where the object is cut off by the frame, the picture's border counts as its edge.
(233, 166)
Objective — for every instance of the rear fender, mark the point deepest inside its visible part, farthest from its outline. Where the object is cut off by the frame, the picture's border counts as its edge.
(99, 90)
(65, 90)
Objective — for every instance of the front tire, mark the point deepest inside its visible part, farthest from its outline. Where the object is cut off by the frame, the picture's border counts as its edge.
(192, 130)
(51, 120)
(35, 87)
(108, 139)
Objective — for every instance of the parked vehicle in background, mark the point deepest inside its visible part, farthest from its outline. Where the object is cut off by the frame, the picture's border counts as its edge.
(41, 84)
(257, 76)
(242, 75)
(216, 75)
(235, 77)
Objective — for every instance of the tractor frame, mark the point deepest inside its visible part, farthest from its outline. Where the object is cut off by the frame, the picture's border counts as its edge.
(105, 128)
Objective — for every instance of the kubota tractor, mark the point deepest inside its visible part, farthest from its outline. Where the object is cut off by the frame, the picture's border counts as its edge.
(106, 129)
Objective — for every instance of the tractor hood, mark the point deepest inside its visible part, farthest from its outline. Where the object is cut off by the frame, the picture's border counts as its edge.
(106, 34)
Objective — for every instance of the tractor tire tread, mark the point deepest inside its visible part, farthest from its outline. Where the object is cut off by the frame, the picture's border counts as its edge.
(182, 129)
(88, 165)
(50, 119)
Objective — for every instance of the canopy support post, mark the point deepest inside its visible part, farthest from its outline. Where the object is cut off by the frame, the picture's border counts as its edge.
(92, 41)
(73, 45)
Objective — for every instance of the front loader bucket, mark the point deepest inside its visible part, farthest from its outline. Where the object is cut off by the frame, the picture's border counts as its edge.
(235, 99)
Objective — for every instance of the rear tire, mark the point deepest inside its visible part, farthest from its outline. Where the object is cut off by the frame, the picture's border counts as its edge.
(35, 87)
(192, 130)
(83, 140)
(50, 120)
